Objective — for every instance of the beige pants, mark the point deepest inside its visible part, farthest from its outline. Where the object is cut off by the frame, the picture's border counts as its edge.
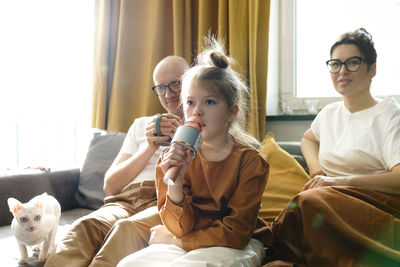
(117, 229)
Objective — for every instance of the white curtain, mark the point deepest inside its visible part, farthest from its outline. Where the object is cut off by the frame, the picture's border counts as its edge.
(45, 82)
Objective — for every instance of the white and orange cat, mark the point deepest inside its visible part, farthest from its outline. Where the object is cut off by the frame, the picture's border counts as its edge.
(35, 223)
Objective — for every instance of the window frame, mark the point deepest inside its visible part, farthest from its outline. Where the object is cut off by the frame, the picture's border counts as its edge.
(281, 88)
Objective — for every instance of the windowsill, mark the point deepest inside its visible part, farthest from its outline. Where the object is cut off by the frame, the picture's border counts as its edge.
(290, 117)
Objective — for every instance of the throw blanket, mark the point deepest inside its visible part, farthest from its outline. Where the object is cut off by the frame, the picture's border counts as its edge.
(338, 226)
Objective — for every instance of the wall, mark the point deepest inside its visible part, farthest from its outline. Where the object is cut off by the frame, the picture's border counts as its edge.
(287, 130)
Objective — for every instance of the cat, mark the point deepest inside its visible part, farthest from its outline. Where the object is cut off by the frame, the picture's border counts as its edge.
(35, 223)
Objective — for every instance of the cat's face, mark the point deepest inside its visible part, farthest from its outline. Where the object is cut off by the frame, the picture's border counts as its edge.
(28, 215)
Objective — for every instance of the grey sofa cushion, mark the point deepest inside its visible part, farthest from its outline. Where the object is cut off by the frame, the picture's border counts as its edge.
(61, 184)
(294, 149)
(103, 149)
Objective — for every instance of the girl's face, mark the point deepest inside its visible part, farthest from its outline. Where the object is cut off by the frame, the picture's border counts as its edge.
(350, 84)
(202, 101)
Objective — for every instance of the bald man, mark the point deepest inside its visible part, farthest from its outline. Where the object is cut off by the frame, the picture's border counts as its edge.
(107, 235)
(130, 163)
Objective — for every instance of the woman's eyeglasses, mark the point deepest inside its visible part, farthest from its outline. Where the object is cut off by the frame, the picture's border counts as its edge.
(161, 89)
(352, 64)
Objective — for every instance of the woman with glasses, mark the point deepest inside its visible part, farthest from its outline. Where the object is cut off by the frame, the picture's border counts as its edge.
(348, 214)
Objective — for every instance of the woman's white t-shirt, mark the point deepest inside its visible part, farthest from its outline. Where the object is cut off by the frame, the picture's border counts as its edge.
(363, 142)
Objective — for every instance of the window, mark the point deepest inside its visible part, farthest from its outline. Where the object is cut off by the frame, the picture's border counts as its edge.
(304, 32)
(46, 82)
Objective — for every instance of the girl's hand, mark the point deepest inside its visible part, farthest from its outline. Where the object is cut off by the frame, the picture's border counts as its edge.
(319, 181)
(176, 156)
(160, 235)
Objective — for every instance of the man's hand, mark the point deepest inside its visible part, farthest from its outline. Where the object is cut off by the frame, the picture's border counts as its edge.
(160, 235)
(168, 125)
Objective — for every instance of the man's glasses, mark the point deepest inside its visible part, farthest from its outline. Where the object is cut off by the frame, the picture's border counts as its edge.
(161, 89)
(352, 64)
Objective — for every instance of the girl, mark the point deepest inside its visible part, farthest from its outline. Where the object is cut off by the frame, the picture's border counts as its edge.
(210, 212)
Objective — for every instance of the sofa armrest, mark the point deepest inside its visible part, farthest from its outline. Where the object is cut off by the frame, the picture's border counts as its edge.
(294, 149)
(60, 184)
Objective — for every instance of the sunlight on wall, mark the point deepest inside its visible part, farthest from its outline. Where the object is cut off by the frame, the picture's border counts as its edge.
(46, 81)
(318, 31)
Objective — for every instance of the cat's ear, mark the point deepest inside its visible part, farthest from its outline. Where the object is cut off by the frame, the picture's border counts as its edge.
(39, 204)
(40, 200)
(14, 205)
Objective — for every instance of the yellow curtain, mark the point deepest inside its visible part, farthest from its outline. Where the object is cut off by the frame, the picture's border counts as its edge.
(143, 32)
(106, 23)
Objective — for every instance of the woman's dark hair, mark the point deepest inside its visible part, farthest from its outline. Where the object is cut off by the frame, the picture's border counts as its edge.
(363, 40)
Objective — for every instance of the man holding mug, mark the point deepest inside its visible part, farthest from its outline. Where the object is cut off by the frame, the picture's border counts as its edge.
(98, 238)
(128, 164)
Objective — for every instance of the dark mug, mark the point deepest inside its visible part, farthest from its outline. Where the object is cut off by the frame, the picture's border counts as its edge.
(158, 132)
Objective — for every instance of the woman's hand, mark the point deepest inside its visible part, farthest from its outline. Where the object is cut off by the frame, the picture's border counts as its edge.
(320, 180)
(310, 150)
(316, 172)
(160, 235)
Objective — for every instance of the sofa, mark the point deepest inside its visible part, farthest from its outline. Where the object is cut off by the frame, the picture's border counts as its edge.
(78, 190)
